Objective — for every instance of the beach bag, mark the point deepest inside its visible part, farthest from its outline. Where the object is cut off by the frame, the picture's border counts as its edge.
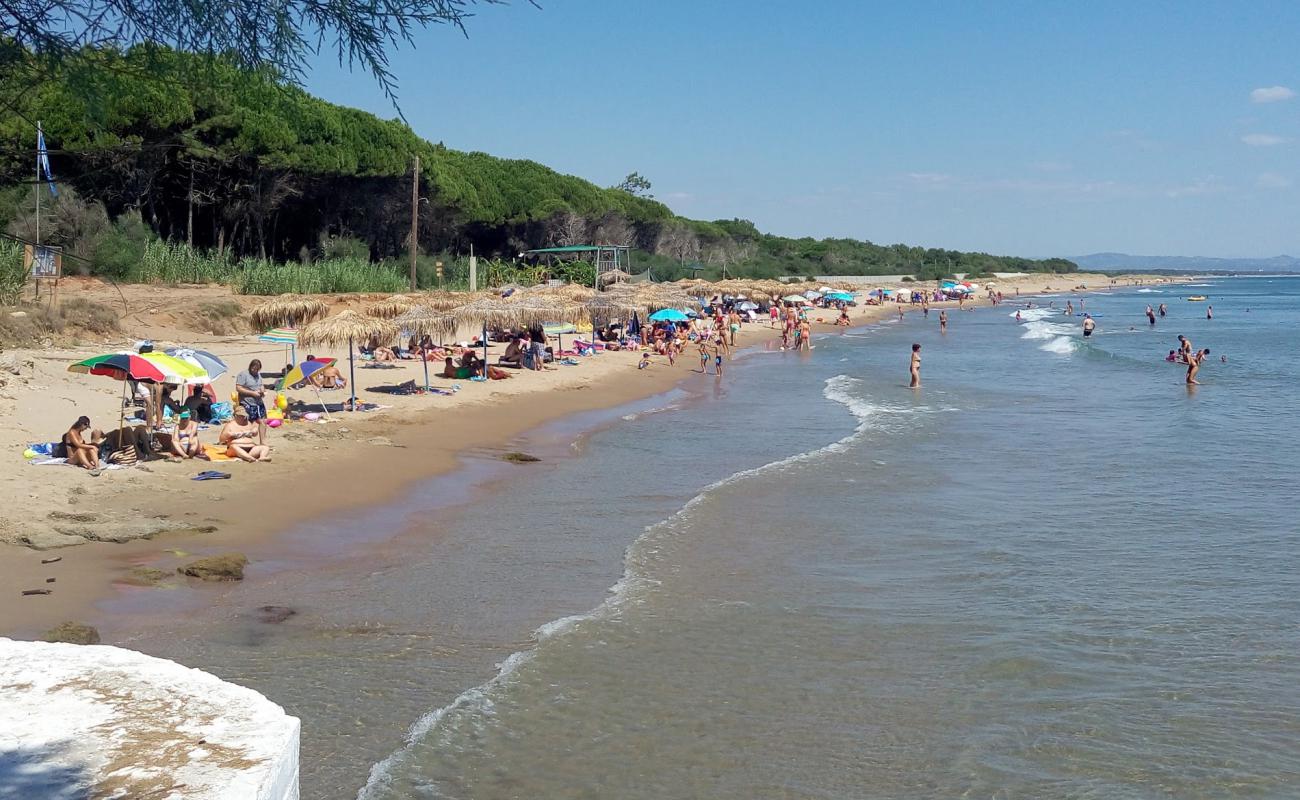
(126, 457)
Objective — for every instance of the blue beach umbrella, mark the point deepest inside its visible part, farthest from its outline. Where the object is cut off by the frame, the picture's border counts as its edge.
(668, 315)
(842, 296)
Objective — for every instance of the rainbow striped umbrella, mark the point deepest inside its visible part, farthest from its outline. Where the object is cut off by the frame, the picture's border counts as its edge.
(303, 372)
(122, 366)
(280, 336)
(178, 371)
(284, 336)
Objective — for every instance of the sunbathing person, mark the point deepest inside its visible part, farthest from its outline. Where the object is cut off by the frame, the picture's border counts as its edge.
(379, 352)
(185, 438)
(455, 372)
(513, 356)
(329, 378)
(240, 436)
(78, 451)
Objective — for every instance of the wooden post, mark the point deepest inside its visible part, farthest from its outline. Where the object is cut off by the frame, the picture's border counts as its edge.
(415, 218)
(189, 222)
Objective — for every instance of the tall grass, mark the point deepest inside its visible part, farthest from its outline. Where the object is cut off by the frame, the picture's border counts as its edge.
(325, 276)
(164, 262)
(12, 275)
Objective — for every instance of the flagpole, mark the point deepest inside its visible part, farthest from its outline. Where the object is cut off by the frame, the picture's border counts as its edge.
(38, 183)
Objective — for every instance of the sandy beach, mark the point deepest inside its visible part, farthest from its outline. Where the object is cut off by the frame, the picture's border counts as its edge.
(111, 530)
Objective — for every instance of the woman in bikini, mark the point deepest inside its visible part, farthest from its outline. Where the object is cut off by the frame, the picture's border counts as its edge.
(185, 438)
(79, 451)
(239, 435)
(916, 366)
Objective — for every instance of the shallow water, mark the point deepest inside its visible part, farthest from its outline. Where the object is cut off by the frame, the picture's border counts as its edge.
(1053, 572)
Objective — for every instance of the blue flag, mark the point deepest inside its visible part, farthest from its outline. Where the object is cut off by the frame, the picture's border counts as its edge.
(43, 160)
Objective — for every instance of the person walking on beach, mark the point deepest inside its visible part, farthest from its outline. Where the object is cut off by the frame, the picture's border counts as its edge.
(916, 366)
(719, 345)
(1151, 315)
(943, 321)
(773, 313)
(704, 355)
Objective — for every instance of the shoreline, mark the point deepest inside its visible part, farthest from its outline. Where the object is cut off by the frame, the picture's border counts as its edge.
(257, 518)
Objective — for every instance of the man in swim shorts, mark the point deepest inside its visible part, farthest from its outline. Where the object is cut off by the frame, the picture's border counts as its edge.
(1088, 325)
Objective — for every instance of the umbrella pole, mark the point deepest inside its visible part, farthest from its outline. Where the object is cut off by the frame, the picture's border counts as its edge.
(352, 375)
(425, 358)
(121, 419)
(485, 356)
(321, 400)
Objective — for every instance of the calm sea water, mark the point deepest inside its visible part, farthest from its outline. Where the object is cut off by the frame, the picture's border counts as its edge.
(1053, 572)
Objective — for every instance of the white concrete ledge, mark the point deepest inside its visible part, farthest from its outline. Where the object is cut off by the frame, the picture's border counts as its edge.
(81, 721)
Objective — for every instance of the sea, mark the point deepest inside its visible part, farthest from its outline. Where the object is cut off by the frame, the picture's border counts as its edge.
(1053, 571)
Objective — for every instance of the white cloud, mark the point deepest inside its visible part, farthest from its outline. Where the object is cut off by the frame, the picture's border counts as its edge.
(1271, 94)
(1271, 180)
(1263, 139)
(930, 178)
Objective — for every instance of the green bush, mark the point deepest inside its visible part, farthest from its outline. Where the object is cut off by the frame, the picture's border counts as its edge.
(349, 247)
(121, 247)
(12, 275)
(582, 273)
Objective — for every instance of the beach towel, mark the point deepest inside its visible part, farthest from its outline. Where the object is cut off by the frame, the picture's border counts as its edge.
(216, 452)
(63, 462)
(222, 411)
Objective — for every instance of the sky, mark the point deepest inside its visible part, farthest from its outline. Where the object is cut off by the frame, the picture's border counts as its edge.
(1023, 128)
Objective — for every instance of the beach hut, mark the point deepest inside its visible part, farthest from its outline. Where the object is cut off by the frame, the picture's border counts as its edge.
(348, 326)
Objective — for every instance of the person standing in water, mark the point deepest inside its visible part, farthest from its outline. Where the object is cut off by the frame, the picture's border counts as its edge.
(943, 321)
(1151, 314)
(1163, 310)
(1088, 325)
(916, 366)
(1209, 312)
(1194, 365)
(1069, 308)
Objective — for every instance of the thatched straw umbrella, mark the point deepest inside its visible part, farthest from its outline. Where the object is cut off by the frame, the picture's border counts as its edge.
(288, 310)
(391, 307)
(423, 320)
(613, 276)
(348, 326)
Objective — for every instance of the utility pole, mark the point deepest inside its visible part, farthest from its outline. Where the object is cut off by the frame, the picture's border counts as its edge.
(415, 218)
(189, 221)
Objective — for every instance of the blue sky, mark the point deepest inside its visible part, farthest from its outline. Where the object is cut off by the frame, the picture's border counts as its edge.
(1029, 128)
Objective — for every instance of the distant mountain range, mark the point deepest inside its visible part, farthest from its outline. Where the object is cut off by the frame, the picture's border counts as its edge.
(1113, 261)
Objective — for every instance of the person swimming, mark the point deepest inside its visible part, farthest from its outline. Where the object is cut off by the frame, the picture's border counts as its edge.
(1172, 357)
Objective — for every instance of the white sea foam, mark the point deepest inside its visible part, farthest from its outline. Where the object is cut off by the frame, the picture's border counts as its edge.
(627, 590)
(1034, 314)
(1040, 329)
(1149, 291)
(1063, 345)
